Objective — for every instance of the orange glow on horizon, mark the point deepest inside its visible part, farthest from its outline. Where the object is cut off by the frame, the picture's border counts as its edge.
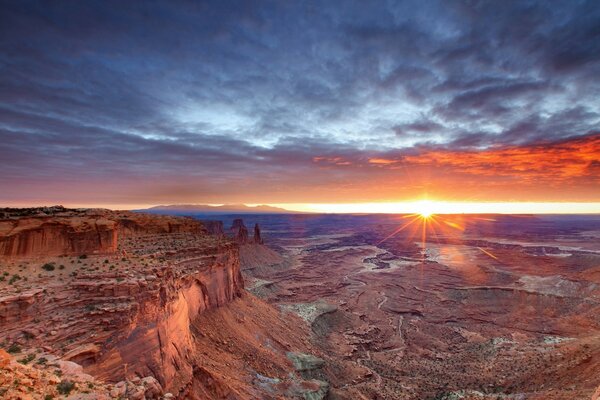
(422, 207)
(430, 207)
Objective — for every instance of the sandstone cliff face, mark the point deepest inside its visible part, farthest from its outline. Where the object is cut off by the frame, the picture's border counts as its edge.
(49, 236)
(75, 232)
(118, 326)
(162, 310)
(132, 224)
(125, 309)
(153, 335)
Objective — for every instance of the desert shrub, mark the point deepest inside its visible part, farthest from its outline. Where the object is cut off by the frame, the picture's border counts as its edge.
(90, 307)
(83, 257)
(48, 267)
(27, 359)
(65, 387)
(61, 267)
(28, 335)
(14, 278)
(48, 397)
(14, 348)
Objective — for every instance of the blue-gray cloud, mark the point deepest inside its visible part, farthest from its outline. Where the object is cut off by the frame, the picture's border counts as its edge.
(214, 91)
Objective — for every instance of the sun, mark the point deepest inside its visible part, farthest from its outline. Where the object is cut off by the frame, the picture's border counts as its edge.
(425, 214)
(425, 209)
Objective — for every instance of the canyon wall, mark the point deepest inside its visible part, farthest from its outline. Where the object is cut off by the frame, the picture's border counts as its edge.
(117, 325)
(59, 231)
(50, 236)
(130, 318)
(136, 306)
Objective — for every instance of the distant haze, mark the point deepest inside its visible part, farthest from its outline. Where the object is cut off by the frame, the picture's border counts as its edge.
(220, 209)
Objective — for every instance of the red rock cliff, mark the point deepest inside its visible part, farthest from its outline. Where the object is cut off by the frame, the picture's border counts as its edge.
(118, 316)
(54, 231)
(49, 236)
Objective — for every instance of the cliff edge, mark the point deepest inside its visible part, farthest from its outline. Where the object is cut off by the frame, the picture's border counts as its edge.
(129, 297)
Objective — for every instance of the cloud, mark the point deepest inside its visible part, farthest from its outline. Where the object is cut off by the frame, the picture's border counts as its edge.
(215, 100)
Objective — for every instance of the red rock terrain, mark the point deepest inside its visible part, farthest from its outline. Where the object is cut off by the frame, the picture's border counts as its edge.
(468, 317)
(137, 306)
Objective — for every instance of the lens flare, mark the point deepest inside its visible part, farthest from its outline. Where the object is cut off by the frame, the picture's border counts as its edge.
(425, 209)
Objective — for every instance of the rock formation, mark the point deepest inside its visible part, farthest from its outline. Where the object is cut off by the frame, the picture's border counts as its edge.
(257, 239)
(239, 231)
(214, 228)
(55, 231)
(41, 236)
(160, 309)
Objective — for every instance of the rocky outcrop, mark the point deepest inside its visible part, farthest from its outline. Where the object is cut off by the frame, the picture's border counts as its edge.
(132, 318)
(164, 313)
(239, 230)
(214, 228)
(257, 239)
(156, 337)
(56, 231)
(50, 236)
(129, 326)
(131, 224)
(40, 375)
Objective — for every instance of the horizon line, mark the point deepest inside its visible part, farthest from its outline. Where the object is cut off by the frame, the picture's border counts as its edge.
(400, 207)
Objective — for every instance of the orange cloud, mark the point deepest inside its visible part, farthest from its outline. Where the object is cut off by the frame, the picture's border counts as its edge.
(331, 161)
(568, 171)
(556, 161)
(382, 161)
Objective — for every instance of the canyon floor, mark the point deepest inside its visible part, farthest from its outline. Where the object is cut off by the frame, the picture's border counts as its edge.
(452, 307)
(96, 304)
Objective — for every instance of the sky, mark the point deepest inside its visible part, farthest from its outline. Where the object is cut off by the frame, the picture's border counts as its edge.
(125, 104)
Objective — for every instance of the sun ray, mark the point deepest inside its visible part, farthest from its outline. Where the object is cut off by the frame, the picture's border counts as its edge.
(398, 230)
(488, 253)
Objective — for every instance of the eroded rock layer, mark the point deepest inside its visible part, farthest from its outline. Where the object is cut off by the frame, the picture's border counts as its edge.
(55, 231)
(162, 309)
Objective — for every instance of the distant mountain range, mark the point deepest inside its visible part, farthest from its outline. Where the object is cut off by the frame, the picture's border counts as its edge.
(222, 209)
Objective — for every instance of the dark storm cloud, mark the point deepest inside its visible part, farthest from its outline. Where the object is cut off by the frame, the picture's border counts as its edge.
(206, 92)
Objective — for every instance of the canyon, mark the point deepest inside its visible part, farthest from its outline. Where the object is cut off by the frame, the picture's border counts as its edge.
(105, 304)
(98, 304)
(448, 307)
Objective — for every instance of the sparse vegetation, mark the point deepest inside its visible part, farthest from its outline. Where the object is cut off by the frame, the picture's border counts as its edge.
(65, 387)
(14, 348)
(48, 267)
(27, 359)
(14, 278)
(28, 335)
